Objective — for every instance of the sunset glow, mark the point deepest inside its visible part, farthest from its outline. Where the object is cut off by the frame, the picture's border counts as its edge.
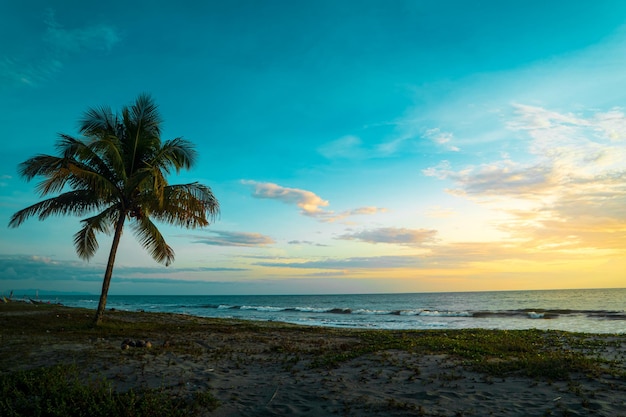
(354, 147)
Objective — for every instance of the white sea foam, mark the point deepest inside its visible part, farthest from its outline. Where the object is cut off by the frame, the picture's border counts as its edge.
(410, 312)
(373, 312)
(435, 313)
(310, 309)
(263, 308)
(570, 310)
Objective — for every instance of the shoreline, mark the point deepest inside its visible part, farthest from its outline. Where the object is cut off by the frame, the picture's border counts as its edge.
(418, 311)
(258, 368)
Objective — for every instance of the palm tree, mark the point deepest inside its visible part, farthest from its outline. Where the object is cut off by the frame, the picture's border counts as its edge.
(118, 170)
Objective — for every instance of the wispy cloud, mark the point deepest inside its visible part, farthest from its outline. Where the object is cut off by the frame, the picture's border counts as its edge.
(459, 256)
(224, 238)
(534, 118)
(305, 242)
(57, 46)
(3, 179)
(374, 262)
(438, 212)
(349, 147)
(172, 269)
(497, 178)
(407, 134)
(440, 138)
(310, 204)
(331, 216)
(364, 211)
(398, 236)
(46, 269)
(73, 40)
(24, 267)
(572, 184)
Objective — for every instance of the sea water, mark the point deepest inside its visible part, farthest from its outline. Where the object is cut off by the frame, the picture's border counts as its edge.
(588, 310)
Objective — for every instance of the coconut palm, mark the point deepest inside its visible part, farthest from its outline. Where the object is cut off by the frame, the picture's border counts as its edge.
(117, 172)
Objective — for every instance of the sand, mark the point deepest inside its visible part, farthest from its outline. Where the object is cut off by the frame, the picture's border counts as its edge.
(269, 370)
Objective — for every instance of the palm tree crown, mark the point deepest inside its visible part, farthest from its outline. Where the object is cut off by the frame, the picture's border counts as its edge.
(118, 171)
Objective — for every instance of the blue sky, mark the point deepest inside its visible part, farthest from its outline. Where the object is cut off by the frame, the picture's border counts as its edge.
(354, 146)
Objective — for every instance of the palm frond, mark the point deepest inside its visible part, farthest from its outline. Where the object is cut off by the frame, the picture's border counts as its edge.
(176, 153)
(39, 165)
(82, 177)
(145, 113)
(95, 165)
(76, 202)
(152, 240)
(120, 165)
(97, 122)
(54, 182)
(105, 130)
(107, 156)
(187, 205)
(142, 139)
(91, 153)
(79, 166)
(85, 240)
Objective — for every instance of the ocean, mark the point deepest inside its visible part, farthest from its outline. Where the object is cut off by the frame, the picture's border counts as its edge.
(589, 310)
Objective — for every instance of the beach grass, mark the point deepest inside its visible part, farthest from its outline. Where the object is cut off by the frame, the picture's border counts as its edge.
(61, 390)
(54, 359)
(532, 353)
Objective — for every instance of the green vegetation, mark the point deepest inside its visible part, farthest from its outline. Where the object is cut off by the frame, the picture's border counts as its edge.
(529, 353)
(53, 359)
(61, 391)
(118, 170)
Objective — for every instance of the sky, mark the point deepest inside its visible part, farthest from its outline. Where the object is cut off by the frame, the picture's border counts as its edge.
(354, 146)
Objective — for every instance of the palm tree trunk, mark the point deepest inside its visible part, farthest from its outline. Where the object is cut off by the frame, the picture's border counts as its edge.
(109, 271)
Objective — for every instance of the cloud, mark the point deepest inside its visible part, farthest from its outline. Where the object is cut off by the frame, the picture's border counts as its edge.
(74, 40)
(159, 281)
(42, 61)
(374, 262)
(569, 187)
(398, 236)
(440, 138)
(224, 238)
(309, 203)
(534, 118)
(345, 147)
(497, 178)
(305, 242)
(408, 134)
(438, 212)
(364, 211)
(45, 268)
(17, 71)
(331, 216)
(171, 269)
(458, 256)
(48, 270)
(612, 123)
(352, 147)
(566, 150)
(388, 139)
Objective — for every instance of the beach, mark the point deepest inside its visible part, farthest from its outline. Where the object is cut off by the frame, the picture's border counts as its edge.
(275, 369)
(586, 310)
